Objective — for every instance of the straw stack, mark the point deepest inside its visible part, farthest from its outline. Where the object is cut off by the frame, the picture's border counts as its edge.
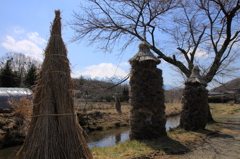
(194, 102)
(147, 117)
(118, 104)
(54, 131)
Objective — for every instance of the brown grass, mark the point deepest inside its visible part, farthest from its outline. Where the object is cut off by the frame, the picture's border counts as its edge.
(173, 109)
(224, 109)
(21, 108)
(177, 142)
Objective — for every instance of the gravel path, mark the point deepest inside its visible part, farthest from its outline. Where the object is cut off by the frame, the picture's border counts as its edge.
(226, 145)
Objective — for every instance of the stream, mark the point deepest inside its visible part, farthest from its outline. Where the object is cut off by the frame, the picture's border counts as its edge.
(114, 136)
(98, 138)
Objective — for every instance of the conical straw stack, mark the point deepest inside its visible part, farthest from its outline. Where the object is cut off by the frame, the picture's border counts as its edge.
(54, 131)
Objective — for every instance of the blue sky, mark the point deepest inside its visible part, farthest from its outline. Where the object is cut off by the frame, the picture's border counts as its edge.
(25, 28)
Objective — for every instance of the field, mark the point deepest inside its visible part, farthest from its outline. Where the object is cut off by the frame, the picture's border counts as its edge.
(103, 116)
(92, 116)
(81, 107)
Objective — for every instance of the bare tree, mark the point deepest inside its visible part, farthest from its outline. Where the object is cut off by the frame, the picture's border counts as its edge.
(19, 64)
(108, 22)
(203, 24)
(173, 95)
(197, 27)
(206, 34)
(19, 60)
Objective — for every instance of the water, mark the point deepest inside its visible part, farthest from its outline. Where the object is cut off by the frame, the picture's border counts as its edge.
(98, 138)
(172, 122)
(113, 137)
(108, 138)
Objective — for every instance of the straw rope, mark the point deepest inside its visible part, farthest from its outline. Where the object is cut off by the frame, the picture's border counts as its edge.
(53, 115)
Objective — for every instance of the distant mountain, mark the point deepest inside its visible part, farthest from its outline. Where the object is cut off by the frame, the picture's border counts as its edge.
(118, 79)
(165, 87)
(228, 86)
(104, 71)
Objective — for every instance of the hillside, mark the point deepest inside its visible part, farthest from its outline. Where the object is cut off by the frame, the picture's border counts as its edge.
(228, 86)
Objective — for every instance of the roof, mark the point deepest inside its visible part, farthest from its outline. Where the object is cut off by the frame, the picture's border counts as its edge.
(230, 92)
(215, 93)
(15, 93)
(144, 54)
(10, 89)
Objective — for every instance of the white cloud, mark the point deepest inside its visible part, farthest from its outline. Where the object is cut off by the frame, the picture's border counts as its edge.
(34, 36)
(31, 45)
(24, 46)
(103, 70)
(124, 64)
(200, 53)
(18, 30)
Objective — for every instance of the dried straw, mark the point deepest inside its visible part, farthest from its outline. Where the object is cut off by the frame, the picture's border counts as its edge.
(147, 117)
(195, 103)
(54, 131)
(118, 104)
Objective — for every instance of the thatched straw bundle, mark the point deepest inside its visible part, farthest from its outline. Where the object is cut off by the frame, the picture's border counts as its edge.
(118, 104)
(147, 119)
(195, 104)
(54, 130)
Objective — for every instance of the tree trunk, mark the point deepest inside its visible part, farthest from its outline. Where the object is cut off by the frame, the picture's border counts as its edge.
(209, 115)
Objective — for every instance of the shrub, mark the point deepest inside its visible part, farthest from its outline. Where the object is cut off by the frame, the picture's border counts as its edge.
(220, 99)
(21, 108)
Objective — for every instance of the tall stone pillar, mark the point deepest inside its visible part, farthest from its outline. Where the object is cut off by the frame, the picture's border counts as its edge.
(195, 104)
(147, 118)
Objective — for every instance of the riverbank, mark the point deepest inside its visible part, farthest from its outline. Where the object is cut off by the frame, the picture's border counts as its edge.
(101, 116)
(218, 140)
(98, 119)
(104, 138)
(177, 144)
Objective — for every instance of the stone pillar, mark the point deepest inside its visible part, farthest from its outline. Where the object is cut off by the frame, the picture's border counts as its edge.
(147, 117)
(194, 108)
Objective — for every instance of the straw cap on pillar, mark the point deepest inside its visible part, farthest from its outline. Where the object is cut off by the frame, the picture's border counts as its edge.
(195, 76)
(144, 54)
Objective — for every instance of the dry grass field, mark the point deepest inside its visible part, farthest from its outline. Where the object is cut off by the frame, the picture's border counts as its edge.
(171, 108)
(103, 116)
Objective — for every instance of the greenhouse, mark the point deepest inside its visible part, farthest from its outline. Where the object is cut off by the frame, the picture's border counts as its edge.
(13, 93)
